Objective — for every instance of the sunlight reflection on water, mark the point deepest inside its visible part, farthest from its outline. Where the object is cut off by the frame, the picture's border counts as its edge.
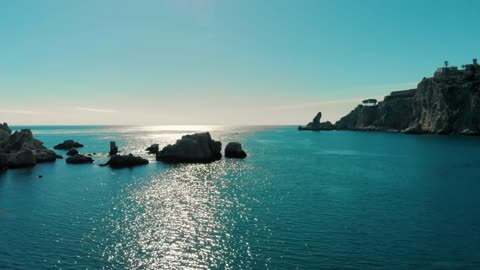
(179, 220)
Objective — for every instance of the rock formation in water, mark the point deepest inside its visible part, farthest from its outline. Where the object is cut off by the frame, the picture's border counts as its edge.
(113, 149)
(195, 148)
(234, 150)
(447, 103)
(119, 161)
(67, 145)
(153, 149)
(317, 125)
(79, 159)
(21, 149)
(72, 152)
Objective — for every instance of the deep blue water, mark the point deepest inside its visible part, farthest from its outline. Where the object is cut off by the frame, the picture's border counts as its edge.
(301, 200)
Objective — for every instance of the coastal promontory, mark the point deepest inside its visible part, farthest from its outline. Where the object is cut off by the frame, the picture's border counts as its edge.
(447, 103)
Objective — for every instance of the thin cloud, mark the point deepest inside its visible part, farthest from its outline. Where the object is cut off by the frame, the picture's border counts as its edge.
(95, 110)
(16, 111)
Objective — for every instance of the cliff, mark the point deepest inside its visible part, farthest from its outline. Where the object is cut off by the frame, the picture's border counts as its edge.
(448, 103)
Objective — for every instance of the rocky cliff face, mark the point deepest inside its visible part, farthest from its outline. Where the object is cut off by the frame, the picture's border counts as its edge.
(447, 106)
(444, 104)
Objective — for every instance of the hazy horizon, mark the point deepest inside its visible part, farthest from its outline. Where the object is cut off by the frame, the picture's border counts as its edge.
(214, 62)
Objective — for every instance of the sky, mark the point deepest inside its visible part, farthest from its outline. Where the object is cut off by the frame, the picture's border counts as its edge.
(225, 62)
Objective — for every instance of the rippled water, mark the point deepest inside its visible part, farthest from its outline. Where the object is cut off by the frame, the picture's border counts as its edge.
(301, 200)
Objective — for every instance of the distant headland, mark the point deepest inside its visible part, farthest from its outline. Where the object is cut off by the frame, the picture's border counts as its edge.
(447, 103)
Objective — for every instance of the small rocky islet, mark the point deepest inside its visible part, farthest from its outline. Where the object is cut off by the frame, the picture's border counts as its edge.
(20, 149)
(447, 103)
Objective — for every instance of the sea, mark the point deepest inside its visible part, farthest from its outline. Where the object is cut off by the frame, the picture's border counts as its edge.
(300, 200)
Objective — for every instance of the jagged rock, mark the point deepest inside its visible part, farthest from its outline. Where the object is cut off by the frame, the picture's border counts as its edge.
(234, 150)
(24, 140)
(119, 161)
(113, 149)
(21, 159)
(79, 159)
(317, 125)
(153, 149)
(5, 131)
(20, 140)
(195, 148)
(67, 145)
(72, 152)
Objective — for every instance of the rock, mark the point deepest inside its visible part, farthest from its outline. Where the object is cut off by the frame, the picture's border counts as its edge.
(415, 129)
(21, 140)
(317, 125)
(119, 161)
(79, 159)
(46, 155)
(468, 132)
(3, 161)
(153, 149)
(24, 140)
(67, 145)
(72, 152)
(21, 159)
(195, 148)
(113, 149)
(234, 150)
(5, 131)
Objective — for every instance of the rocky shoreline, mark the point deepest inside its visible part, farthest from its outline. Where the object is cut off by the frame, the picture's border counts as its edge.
(447, 104)
(20, 149)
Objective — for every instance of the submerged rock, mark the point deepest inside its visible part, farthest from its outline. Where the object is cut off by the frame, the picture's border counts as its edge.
(119, 161)
(153, 149)
(194, 148)
(79, 159)
(67, 145)
(234, 150)
(72, 152)
(113, 149)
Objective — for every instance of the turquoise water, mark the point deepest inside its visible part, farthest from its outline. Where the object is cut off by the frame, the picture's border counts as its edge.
(301, 200)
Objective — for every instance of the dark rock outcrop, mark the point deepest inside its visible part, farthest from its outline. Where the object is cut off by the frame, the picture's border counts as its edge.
(153, 149)
(79, 159)
(21, 159)
(234, 150)
(195, 148)
(113, 149)
(23, 150)
(448, 103)
(119, 161)
(317, 125)
(67, 145)
(5, 131)
(72, 152)
(3, 161)
(46, 155)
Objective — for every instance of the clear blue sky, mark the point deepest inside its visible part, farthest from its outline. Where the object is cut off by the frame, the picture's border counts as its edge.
(219, 61)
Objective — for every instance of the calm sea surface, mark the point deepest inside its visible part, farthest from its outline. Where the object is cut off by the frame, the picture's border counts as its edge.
(301, 200)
